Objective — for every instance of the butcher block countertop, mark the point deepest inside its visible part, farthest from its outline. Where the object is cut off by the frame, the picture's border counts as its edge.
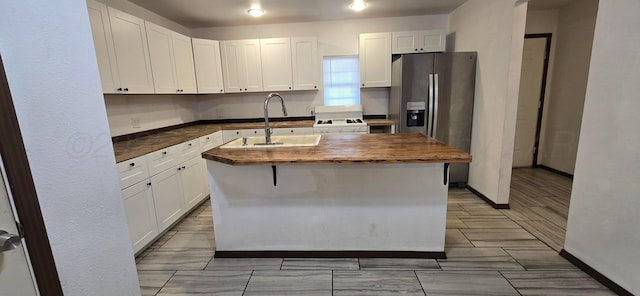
(346, 149)
(141, 145)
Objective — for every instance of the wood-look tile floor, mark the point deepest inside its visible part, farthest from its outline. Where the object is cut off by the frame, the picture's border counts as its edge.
(490, 252)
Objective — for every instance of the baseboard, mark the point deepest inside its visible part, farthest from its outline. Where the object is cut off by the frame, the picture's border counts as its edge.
(330, 254)
(487, 200)
(561, 173)
(595, 274)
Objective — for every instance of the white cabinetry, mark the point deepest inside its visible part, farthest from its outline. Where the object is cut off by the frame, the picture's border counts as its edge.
(418, 41)
(375, 60)
(241, 65)
(292, 131)
(163, 159)
(230, 135)
(103, 42)
(206, 56)
(132, 53)
(132, 171)
(275, 54)
(167, 197)
(193, 183)
(172, 60)
(304, 60)
(141, 216)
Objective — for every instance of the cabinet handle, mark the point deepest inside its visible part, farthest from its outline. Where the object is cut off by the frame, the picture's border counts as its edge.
(126, 89)
(184, 167)
(119, 89)
(149, 184)
(132, 164)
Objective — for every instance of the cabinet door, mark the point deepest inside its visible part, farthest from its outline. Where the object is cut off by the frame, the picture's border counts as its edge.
(232, 66)
(252, 65)
(167, 197)
(208, 64)
(164, 159)
(375, 60)
(103, 42)
(193, 182)
(432, 40)
(230, 135)
(403, 42)
(132, 52)
(276, 64)
(162, 59)
(304, 59)
(185, 71)
(141, 216)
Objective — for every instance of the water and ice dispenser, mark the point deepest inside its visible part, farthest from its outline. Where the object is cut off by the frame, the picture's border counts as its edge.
(415, 113)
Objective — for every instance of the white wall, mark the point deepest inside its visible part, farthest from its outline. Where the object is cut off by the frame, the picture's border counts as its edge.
(150, 111)
(51, 66)
(604, 215)
(569, 80)
(495, 29)
(334, 38)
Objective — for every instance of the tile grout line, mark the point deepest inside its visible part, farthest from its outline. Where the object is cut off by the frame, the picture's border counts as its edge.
(165, 283)
(247, 284)
(332, 281)
(419, 282)
(508, 281)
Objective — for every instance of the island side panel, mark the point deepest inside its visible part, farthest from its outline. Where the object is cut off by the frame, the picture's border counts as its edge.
(358, 207)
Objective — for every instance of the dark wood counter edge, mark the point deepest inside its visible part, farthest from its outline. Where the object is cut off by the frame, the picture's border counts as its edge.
(330, 254)
(605, 281)
(334, 161)
(487, 200)
(131, 136)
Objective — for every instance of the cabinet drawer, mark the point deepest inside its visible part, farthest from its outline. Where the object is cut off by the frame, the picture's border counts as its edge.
(163, 159)
(132, 171)
(190, 149)
(210, 141)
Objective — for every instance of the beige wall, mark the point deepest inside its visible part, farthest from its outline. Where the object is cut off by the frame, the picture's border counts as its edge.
(568, 85)
(495, 29)
(145, 14)
(604, 215)
(334, 38)
(151, 111)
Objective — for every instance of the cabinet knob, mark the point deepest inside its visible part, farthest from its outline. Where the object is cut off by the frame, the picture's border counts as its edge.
(184, 167)
(245, 89)
(164, 152)
(119, 89)
(363, 84)
(126, 89)
(149, 184)
(289, 87)
(292, 131)
(421, 49)
(179, 169)
(190, 144)
(241, 89)
(221, 90)
(132, 164)
(315, 86)
(237, 133)
(416, 49)
(207, 138)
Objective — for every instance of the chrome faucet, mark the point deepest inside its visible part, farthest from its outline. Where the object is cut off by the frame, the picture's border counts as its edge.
(267, 130)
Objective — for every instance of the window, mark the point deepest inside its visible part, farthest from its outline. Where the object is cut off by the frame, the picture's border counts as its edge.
(341, 80)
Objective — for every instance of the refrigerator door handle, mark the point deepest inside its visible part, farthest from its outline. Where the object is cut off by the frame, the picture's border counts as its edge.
(430, 103)
(435, 106)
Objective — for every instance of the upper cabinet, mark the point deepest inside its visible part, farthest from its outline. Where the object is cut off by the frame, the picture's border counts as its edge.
(172, 61)
(241, 65)
(276, 64)
(375, 60)
(131, 52)
(418, 41)
(206, 56)
(103, 42)
(304, 58)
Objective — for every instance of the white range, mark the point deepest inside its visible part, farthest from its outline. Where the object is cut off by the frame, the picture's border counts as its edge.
(339, 120)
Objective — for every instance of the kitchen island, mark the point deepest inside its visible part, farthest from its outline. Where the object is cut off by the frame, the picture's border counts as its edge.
(366, 195)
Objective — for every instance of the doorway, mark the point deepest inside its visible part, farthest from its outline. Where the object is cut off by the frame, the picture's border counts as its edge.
(533, 83)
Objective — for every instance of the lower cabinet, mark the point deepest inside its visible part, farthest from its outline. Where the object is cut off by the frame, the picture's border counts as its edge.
(194, 187)
(141, 215)
(168, 198)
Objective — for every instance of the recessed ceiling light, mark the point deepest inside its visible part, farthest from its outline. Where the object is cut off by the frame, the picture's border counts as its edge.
(255, 12)
(358, 5)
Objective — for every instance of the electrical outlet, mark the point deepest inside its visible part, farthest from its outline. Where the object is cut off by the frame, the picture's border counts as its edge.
(219, 112)
(135, 122)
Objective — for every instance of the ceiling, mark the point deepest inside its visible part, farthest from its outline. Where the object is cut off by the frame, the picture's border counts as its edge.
(219, 13)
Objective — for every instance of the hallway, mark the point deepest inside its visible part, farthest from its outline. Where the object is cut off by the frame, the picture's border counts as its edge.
(490, 252)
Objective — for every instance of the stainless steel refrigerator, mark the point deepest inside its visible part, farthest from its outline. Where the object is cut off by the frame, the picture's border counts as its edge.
(432, 94)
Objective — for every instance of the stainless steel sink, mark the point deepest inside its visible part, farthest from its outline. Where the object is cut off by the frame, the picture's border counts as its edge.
(276, 141)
